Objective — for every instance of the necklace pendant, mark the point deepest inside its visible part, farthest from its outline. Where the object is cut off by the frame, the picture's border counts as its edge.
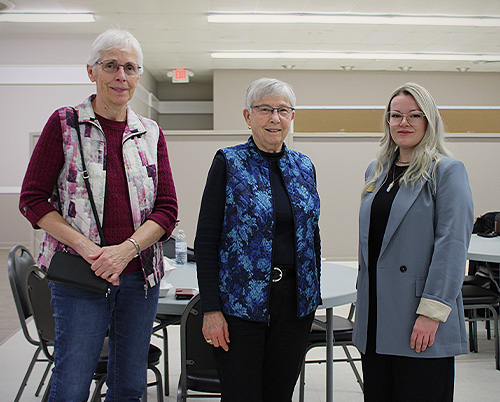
(390, 187)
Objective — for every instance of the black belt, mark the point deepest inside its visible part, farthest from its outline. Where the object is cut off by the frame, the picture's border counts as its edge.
(279, 273)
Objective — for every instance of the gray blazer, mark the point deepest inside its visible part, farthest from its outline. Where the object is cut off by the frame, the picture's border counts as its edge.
(423, 255)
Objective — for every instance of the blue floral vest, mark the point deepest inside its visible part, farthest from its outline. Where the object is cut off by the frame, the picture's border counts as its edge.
(245, 251)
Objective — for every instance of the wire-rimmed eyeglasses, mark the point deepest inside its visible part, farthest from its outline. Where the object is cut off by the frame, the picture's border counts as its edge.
(266, 110)
(413, 118)
(112, 66)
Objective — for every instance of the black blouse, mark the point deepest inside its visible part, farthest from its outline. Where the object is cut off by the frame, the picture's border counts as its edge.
(381, 208)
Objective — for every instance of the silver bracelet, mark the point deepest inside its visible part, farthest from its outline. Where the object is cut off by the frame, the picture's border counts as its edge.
(137, 247)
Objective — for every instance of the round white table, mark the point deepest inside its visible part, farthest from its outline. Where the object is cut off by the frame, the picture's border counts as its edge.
(184, 276)
(484, 248)
(338, 287)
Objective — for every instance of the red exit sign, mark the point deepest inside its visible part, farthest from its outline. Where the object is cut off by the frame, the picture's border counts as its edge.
(180, 76)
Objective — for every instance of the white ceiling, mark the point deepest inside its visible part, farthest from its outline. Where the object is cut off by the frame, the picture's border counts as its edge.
(176, 34)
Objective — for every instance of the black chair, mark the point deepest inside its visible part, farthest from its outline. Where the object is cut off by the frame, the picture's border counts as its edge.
(475, 300)
(198, 369)
(43, 315)
(20, 263)
(102, 366)
(342, 336)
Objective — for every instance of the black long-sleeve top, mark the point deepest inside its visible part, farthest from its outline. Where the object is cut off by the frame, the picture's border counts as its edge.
(381, 208)
(211, 219)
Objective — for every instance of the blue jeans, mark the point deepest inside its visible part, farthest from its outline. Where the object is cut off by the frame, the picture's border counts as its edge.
(83, 320)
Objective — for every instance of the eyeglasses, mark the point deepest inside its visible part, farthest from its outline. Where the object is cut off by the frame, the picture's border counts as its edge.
(267, 111)
(112, 66)
(413, 118)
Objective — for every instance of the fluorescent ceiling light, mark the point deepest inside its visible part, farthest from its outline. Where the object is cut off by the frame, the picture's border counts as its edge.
(357, 56)
(367, 19)
(46, 17)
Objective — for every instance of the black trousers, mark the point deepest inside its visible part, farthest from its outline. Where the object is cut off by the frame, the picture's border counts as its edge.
(264, 359)
(407, 379)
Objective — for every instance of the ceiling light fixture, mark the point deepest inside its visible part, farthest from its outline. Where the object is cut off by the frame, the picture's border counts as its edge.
(405, 68)
(357, 56)
(463, 69)
(47, 17)
(347, 68)
(368, 19)
(288, 66)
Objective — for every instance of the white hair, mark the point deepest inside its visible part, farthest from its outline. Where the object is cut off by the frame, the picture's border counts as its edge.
(268, 87)
(115, 39)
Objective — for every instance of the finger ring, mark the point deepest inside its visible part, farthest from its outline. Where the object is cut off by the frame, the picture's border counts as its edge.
(209, 341)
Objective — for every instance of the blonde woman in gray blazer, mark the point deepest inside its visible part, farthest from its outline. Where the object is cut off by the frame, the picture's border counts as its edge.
(415, 223)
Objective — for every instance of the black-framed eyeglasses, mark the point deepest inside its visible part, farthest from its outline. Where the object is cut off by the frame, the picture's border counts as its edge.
(112, 66)
(413, 118)
(267, 111)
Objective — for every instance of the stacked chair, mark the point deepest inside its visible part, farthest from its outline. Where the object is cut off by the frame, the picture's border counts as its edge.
(20, 263)
(33, 294)
(481, 298)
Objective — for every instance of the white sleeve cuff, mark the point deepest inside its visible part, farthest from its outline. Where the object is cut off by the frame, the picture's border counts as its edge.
(433, 309)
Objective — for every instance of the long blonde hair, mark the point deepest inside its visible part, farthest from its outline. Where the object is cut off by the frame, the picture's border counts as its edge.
(430, 148)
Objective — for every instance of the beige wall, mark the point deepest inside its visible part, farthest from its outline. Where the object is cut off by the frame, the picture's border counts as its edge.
(340, 159)
(27, 102)
(190, 158)
(340, 162)
(350, 88)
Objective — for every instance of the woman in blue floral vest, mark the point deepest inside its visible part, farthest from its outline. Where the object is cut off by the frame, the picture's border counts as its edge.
(258, 253)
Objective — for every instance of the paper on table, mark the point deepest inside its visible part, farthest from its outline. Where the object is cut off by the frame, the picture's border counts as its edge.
(168, 266)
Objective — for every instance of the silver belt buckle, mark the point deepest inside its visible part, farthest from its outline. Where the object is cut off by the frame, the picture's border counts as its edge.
(280, 273)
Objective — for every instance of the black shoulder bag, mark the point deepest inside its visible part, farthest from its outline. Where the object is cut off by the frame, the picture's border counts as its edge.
(70, 269)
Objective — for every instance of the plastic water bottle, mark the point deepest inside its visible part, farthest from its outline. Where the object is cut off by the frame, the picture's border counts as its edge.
(180, 248)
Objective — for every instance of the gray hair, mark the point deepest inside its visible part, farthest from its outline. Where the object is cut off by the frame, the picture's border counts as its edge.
(112, 39)
(430, 148)
(268, 87)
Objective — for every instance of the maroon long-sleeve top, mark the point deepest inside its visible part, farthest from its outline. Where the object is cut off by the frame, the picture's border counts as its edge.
(48, 159)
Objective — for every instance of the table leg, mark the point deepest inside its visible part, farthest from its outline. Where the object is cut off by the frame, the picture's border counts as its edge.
(329, 355)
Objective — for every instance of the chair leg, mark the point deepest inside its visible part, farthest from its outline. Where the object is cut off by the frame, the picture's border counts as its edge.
(157, 383)
(96, 396)
(491, 315)
(165, 362)
(488, 330)
(496, 337)
(302, 381)
(46, 394)
(159, 389)
(42, 381)
(471, 336)
(28, 373)
(181, 393)
(473, 332)
(353, 366)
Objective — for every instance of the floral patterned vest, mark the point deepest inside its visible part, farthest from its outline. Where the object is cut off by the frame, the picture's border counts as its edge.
(140, 141)
(245, 251)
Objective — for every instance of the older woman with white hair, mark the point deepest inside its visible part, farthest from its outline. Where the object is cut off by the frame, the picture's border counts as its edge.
(131, 183)
(415, 223)
(258, 253)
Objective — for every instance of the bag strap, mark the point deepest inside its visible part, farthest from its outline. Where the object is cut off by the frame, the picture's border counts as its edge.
(87, 182)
